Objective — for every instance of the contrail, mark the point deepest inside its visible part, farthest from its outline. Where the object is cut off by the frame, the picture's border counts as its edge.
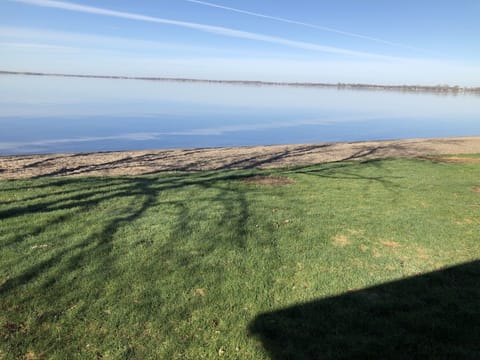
(313, 26)
(219, 30)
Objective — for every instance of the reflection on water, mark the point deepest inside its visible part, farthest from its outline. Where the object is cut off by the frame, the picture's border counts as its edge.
(48, 114)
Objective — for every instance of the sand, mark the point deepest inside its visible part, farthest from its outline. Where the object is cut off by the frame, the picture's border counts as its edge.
(190, 160)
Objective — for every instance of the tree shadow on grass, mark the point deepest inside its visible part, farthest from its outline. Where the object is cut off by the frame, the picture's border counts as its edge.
(81, 257)
(61, 200)
(86, 255)
(433, 316)
(142, 192)
(81, 194)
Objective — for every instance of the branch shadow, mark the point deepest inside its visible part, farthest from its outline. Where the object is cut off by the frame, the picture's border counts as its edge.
(194, 160)
(142, 193)
(430, 316)
(89, 250)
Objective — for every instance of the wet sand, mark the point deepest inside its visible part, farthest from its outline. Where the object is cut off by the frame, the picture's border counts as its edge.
(190, 160)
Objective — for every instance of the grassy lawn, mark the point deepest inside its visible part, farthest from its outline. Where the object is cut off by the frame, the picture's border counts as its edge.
(222, 265)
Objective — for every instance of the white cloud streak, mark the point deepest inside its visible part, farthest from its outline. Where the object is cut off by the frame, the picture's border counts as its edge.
(301, 23)
(85, 41)
(38, 46)
(218, 30)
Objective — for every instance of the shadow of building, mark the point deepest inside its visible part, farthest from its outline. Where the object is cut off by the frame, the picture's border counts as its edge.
(433, 316)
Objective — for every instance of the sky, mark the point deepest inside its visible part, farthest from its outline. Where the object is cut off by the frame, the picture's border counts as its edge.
(426, 42)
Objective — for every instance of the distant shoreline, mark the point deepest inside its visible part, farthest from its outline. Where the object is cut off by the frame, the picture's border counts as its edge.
(438, 89)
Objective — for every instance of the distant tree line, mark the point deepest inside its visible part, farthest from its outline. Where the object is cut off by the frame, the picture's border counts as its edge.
(439, 89)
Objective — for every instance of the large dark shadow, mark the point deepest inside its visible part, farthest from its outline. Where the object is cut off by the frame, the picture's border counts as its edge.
(434, 316)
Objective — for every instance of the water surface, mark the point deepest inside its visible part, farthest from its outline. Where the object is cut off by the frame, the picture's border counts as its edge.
(51, 114)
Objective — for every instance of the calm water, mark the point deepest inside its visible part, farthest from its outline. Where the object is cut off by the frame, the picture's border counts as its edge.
(48, 114)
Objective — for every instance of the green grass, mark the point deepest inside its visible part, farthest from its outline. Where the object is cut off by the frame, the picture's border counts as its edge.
(192, 266)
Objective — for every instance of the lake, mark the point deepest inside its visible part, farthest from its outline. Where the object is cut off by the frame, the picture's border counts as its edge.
(55, 114)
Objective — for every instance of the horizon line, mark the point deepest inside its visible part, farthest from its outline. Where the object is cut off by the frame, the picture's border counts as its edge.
(441, 88)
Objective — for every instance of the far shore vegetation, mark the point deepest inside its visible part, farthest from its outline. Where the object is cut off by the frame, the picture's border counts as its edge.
(351, 259)
(437, 89)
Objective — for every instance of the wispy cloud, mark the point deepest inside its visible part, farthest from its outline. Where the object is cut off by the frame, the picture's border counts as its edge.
(301, 23)
(38, 46)
(36, 38)
(224, 31)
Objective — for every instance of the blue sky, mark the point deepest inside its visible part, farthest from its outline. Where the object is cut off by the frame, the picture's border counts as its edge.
(371, 41)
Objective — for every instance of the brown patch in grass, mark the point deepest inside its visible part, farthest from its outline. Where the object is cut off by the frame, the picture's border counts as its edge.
(363, 248)
(355, 232)
(200, 292)
(476, 189)
(466, 221)
(11, 327)
(30, 355)
(270, 180)
(452, 159)
(424, 204)
(344, 240)
(422, 253)
(341, 240)
(391, 244)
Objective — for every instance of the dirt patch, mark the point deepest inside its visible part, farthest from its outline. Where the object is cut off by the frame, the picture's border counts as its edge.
(422, 253)
(476, 189)
(11, 327)
(269, 180)
(466, 221)
(390, 244)
(30, 355)
(341, 241)
(424, 205)
(200, 292)
(355, 232)
(363, 248)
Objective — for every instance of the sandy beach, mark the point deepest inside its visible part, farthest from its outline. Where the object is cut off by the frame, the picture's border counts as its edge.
(189, 160)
